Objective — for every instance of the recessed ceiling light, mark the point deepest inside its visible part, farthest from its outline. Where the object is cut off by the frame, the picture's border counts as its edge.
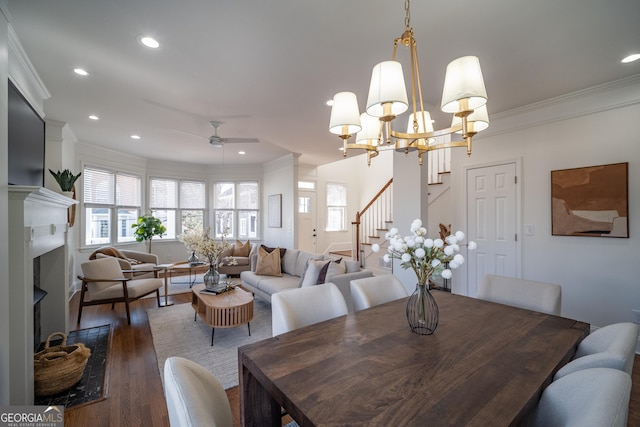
(135, 136)
(80, 72)
(329, 103)
(631, 58)
(149, 42)
(241, 152)
(94, 117)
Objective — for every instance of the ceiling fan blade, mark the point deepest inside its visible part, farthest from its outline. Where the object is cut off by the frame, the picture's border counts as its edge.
(240, 140)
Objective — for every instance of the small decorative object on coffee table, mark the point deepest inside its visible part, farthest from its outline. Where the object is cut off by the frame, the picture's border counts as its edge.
(427, 258)
(232, 307)
(199, 241)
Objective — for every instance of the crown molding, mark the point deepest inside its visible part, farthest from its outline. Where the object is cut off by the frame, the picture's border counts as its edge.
(24, 75)
(608, 96)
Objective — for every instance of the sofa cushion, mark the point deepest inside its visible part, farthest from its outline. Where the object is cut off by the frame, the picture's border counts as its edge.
(268, 263)
(289, 261)
(301, 262)
(315, 273)
(352, 266)
(271, 285)
(241, 249)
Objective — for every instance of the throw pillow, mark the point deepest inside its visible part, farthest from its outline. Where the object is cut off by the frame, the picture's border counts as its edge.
(268, 263)
(269, 250)
(315, 273)
(336, 266)
(242, 249)
(352, 266)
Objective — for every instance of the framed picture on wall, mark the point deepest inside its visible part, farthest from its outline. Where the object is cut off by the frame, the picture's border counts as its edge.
(275, 211)
(590, 201)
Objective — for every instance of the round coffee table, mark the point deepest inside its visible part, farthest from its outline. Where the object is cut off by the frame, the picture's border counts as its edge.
(226, 310)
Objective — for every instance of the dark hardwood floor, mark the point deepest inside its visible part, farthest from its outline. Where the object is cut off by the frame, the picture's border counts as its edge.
(135, 396)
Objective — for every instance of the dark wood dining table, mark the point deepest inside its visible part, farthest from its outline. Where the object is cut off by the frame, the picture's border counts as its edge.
(485, 365)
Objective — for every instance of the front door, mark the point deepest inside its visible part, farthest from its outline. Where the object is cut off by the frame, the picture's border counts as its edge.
(307, 235)
(492, 223)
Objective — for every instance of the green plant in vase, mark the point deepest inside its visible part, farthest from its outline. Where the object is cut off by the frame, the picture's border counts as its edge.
(146, 227)
(65, 179)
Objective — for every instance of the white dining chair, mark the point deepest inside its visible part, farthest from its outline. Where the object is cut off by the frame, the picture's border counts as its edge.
(372, 291)
(612, 346)
(304, 306)
(195, 397)
(528, 294)
(596, 397)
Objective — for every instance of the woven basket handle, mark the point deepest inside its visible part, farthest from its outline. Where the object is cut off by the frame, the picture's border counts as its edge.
(52, 356)
(64, 338)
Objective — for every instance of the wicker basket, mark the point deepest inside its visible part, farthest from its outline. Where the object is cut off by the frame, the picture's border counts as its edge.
(59, 367)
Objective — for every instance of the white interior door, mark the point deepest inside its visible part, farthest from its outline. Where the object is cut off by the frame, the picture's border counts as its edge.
(307, 231)
(492, 197)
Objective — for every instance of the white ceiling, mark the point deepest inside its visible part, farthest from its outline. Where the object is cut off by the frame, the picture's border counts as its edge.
(266, 68)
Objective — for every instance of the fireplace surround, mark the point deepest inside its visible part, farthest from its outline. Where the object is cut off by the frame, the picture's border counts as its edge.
(37, 228)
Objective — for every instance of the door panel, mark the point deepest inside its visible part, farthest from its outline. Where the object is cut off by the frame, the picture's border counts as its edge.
(491, 223)
(307, 235)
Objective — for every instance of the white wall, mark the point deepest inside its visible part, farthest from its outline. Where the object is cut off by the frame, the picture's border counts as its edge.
(599, 276)
(4, 215)
(281, 177)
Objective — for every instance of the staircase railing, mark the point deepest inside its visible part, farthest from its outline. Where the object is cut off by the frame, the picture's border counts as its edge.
(372, 218)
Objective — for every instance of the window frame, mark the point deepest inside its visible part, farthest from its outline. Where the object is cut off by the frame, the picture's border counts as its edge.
(112, 221)
(179, 210)
(343, 207)
(238, 215)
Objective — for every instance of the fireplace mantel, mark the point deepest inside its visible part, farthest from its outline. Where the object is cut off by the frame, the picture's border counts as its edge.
(37, 228)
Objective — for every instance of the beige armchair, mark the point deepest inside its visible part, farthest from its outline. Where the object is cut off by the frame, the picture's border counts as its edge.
(135, 264)
(103, 282)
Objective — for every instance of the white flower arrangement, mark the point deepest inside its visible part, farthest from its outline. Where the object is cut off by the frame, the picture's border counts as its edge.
(427, 257)
(200, 242)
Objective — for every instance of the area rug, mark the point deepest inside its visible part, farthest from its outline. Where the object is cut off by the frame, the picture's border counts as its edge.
(92, 387)
(175, 333)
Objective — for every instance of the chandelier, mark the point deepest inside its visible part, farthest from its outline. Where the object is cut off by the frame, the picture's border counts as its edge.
(464, 95)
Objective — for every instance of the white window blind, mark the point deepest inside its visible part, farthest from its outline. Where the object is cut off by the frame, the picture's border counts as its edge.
(192, 195)
(98, 187)
(128, 190)
(163, 194)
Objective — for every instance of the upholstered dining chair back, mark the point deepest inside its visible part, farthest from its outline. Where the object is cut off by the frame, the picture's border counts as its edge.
(529, 294)
(612, 346)
(304, 306)
(195, 397)
(372, 291)
(596, 397)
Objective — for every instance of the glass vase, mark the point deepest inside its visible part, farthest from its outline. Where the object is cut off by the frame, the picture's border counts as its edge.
(422, 311)
(193, 259)
(211, 277)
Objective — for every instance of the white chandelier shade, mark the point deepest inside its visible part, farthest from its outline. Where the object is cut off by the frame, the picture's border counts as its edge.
(370, 133)
(424, 123)
(463, 80)
(476, 121)
(387, 91)
(345, 115)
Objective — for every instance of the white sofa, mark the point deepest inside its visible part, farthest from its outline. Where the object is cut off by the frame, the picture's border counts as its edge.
(293, 264)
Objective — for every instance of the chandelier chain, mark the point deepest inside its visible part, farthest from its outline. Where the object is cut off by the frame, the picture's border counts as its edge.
(407, 14)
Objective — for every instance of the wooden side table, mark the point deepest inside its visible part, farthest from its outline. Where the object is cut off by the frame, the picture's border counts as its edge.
(226, 310)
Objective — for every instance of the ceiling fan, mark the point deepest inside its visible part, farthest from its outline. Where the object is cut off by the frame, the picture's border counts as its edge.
(218, 141)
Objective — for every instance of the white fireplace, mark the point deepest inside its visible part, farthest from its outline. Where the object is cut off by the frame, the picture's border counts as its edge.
(37, 228)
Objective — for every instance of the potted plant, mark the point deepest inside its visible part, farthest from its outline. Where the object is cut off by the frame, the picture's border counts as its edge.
(65, 179)
(146, 227)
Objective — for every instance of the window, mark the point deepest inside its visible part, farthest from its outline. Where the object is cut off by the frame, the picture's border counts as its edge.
(304, 205)
(336, 207)
(180, 204)
(306, 185)
(235, 209)
(112, 202)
